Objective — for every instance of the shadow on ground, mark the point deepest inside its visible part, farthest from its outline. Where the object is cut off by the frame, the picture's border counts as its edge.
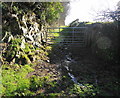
(87, 69)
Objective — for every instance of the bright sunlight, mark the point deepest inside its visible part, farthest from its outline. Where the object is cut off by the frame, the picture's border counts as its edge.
(87, 10)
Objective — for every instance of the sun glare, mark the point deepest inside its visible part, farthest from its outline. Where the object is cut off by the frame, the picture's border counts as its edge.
(86, 10)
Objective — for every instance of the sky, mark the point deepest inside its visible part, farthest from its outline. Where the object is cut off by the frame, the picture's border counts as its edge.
(86, 10)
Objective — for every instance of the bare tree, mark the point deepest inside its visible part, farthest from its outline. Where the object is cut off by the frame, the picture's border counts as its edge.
(109, 15)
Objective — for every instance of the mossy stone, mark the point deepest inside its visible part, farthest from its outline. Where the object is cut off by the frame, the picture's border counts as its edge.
(25, 59)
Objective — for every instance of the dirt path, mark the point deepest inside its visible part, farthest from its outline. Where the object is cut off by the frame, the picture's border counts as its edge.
(87, 68)
(90, 69)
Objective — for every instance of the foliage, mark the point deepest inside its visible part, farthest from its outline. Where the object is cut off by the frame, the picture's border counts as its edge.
(108, 15)
(39, 82)
(53, 12)
(13, 12)
(17, 79)
(24, 21)
(17, 82)
(108, 54)
(23, 55)
(15, 50)
(54, 35)
(88, 90)
(19, 51)
(105, 40)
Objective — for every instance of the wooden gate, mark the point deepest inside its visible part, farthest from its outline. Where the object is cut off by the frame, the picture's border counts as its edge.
(73, 36)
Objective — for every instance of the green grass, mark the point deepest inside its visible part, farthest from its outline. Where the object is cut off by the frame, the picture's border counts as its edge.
(56, 37)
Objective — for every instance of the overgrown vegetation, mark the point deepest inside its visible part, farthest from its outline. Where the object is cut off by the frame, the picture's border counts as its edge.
(23, 31)
(16, 81)
(96, 66)
(26, 68)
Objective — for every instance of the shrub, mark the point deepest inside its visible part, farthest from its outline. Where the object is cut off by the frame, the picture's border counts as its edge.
(88, 90)
(14, 79)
